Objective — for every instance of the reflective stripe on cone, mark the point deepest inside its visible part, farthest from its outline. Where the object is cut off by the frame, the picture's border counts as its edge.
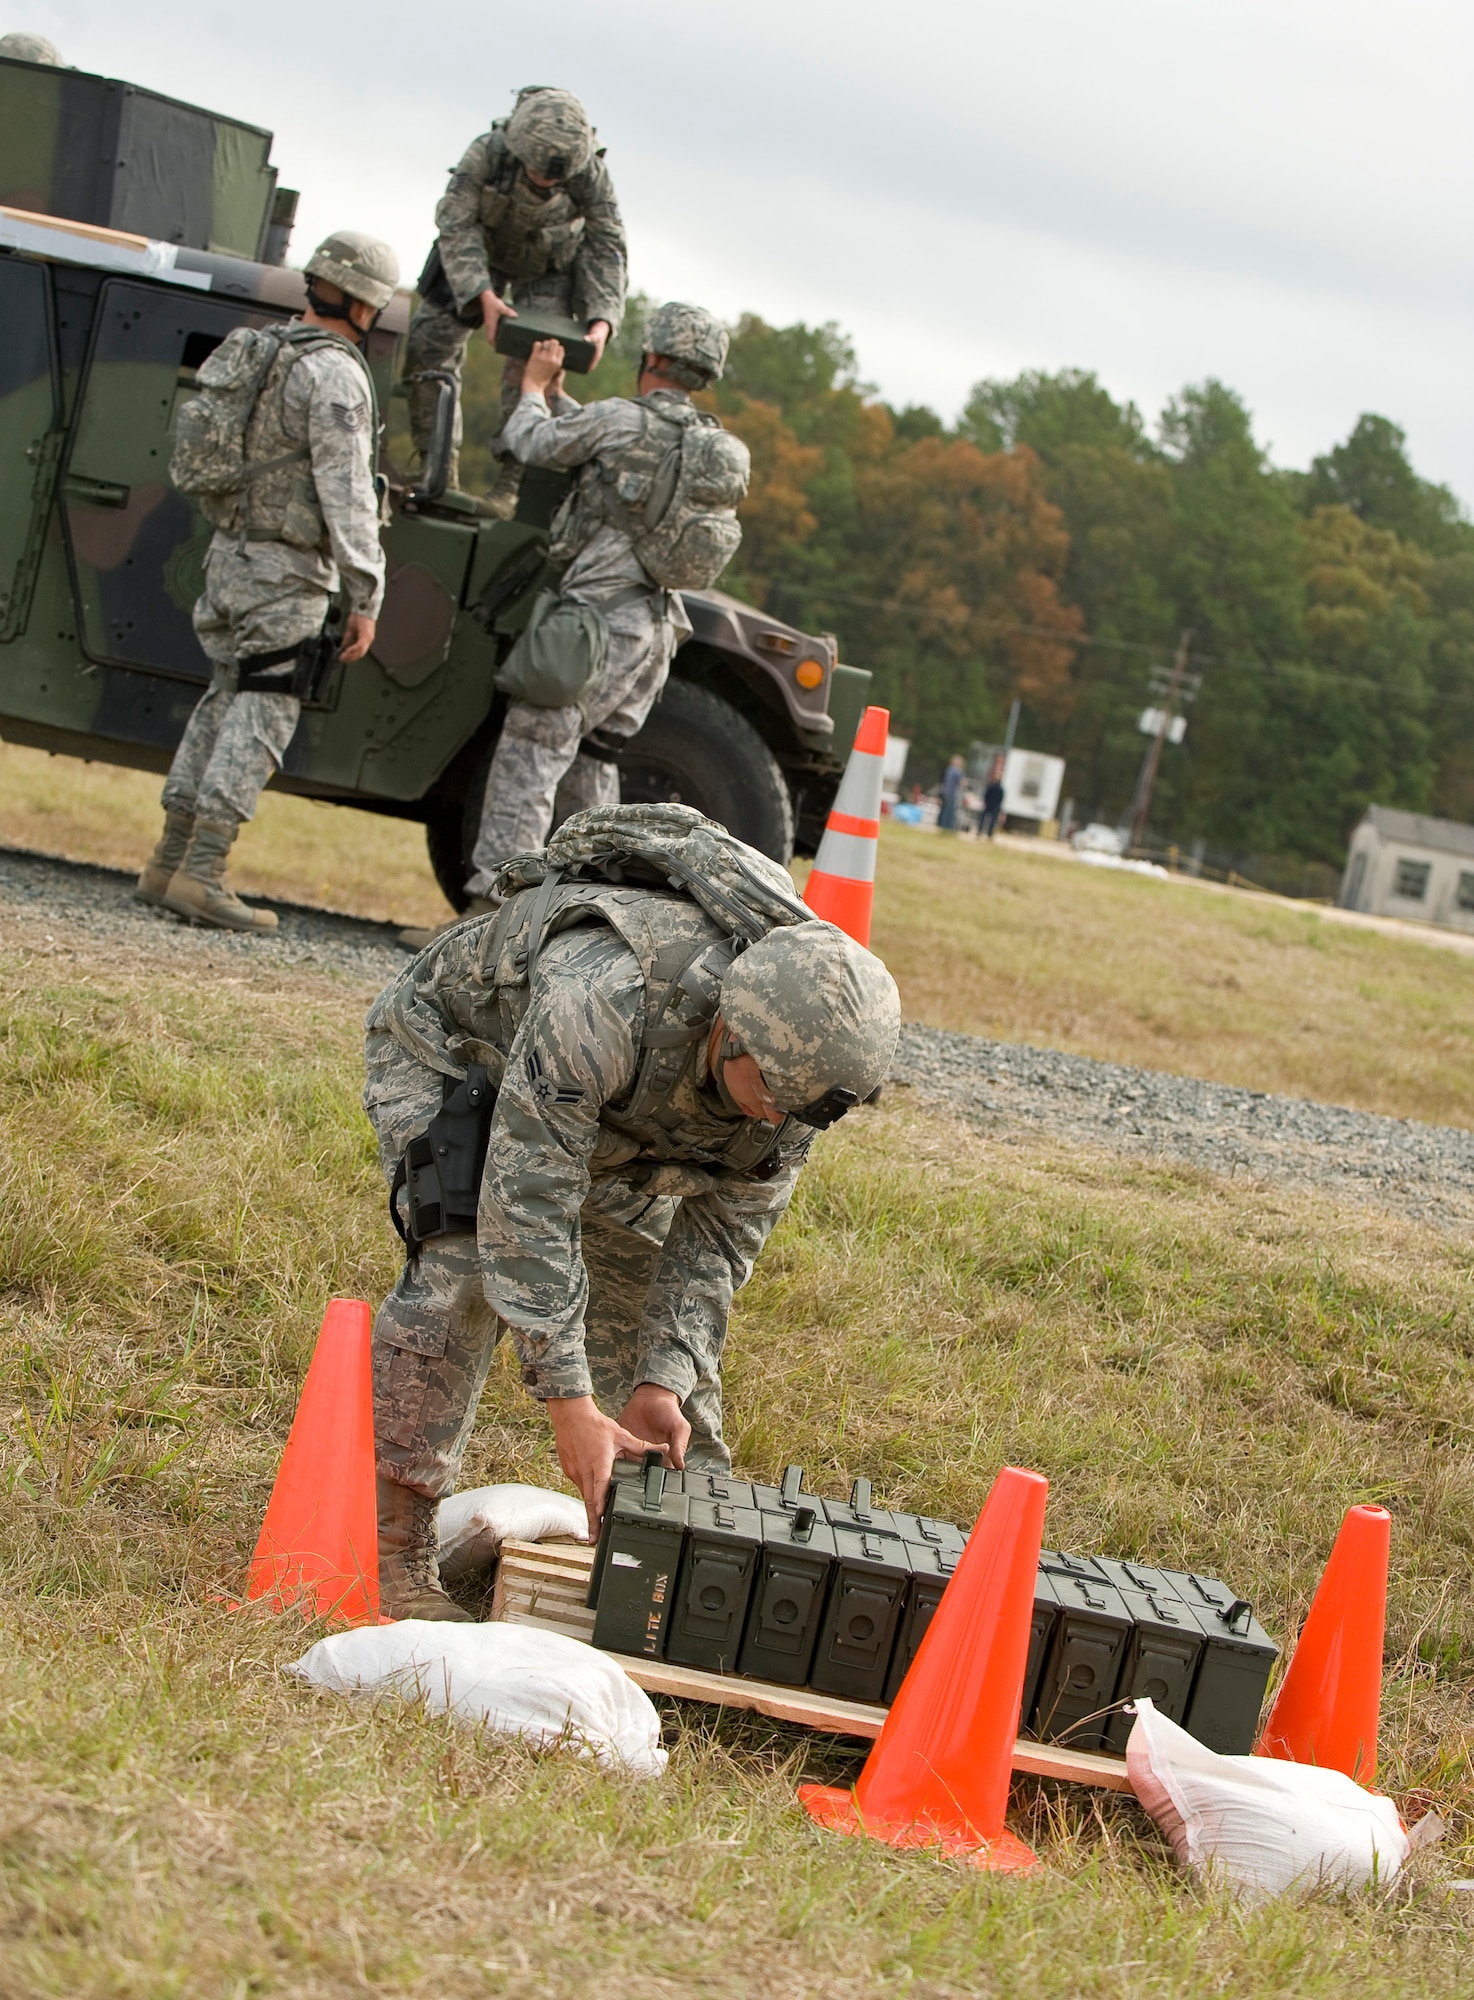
(841, 887)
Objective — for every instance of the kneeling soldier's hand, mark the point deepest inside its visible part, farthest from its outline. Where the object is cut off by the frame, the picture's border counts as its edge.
(588, 1443)
(656, 1413)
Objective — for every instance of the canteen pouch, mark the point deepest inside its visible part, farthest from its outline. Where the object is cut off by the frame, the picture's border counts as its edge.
(559, 655)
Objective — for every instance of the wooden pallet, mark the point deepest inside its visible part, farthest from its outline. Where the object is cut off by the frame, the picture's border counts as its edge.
(545, 1584)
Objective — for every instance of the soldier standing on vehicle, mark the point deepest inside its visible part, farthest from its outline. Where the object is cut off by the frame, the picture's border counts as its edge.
(635, 538)
(278, 451)
(623, 1083)
(529, 219)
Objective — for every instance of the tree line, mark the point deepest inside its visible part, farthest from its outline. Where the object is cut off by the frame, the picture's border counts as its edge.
(1052, 546)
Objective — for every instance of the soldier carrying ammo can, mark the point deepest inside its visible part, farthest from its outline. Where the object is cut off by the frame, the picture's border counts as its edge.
(529, 219)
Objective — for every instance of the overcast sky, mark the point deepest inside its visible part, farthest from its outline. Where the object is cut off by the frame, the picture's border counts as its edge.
(1275, 192)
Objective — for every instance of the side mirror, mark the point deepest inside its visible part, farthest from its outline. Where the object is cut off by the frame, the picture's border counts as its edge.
(436, 471)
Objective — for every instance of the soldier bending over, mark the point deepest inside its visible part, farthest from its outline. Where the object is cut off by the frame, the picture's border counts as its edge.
(656, 1082)
(282, 462)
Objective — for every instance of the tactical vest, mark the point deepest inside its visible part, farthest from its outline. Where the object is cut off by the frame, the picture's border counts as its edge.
(664, 1122)
(280, 502)
(528, 233)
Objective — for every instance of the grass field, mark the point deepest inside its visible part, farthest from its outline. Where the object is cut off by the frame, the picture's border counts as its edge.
(986, 940)
(1208, 1373)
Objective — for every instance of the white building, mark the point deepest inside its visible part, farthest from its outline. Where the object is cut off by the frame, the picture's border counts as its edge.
(1403, 864)
(1031, 784)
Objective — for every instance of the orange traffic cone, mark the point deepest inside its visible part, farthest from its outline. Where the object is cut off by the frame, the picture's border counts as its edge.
(1330, 1700)
(841, 886)
(319, 1543)
(939, 1773)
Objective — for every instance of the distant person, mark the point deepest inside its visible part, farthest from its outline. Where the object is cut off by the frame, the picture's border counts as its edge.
(992, 813)
(529, 219)
(288, 484)
(608, 611)
(952, 782)
(31, 49)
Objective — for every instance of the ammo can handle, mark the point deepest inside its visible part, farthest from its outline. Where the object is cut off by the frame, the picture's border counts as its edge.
(793, 1479)
(803, 1520)
(1232, 1613)
(654, 1484)
(860, 1497)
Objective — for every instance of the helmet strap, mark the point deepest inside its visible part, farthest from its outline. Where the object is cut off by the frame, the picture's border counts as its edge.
(343, 309)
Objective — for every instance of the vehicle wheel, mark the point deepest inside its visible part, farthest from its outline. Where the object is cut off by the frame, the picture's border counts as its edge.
(696, 750)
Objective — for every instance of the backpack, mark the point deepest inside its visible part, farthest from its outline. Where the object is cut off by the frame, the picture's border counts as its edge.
(209, 463)
(658, 847)
(691, 531)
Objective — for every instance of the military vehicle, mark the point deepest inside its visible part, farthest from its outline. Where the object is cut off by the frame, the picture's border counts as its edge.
(135, 233)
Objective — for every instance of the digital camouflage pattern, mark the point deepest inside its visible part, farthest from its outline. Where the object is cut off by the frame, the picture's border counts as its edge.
(496, 232)
(262, 595)
(610, 1241)
(538, 746)
(359, 265)
(815, 1010)
(690, 334)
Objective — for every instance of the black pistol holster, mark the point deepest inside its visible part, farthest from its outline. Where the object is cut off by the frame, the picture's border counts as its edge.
(441, 1170)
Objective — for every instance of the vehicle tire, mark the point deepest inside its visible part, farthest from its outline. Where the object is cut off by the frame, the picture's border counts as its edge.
(696, 750)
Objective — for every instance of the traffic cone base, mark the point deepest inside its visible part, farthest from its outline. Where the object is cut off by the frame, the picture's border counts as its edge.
(835, 1808)
(318, 1549)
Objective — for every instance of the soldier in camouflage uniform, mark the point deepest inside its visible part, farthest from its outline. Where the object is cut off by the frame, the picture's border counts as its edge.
(529, 219)
(622, 1203)
(549, 759)
(307, 528)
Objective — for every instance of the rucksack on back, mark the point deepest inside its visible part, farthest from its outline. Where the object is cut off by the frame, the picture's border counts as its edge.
(696, 533)
(665, 846)
(209, 458)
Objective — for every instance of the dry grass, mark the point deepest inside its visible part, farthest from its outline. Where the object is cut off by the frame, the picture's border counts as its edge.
(1204, 1370)
(1230, 987)
(985, 940)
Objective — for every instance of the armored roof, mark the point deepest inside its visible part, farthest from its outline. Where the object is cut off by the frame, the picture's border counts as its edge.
(1448, 836)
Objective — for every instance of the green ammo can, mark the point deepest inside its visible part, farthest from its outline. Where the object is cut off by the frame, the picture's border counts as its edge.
(718, 1486)
(862, 1614)
(533, 323)
(1084, 1660)
(1223, 1710)
(1041, 1632)
(1162, 1658)
(647, 1526)
(787, 1597)
(718, 1566)
(624, 1469)
(931, 1570)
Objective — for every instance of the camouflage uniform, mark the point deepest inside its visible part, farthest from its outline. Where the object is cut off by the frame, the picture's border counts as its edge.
(537, 760)
(611, 1244)
(562, 250)
(261, 595)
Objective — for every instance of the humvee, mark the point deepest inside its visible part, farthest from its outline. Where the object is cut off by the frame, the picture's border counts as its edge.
(135, 233)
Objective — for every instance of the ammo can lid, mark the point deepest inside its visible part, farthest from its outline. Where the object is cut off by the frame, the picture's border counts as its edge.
(718, 1486)
(1138, 1576)
(874, 1520)
(1091, 1598)
(1059, 1562)
(863, 1548)
(928, 1560)
(782, 1499)
(719, 1520)
(630, 1505)
(780, 1531)
(1161, 1611)
(926, 1532)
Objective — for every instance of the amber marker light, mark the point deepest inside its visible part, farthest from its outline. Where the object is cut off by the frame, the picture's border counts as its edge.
(808, 673)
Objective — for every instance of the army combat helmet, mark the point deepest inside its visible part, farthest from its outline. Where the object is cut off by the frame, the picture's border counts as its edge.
(818, 1014)
(689, 334)
(31, 48)
(359, 265)
(550, 133)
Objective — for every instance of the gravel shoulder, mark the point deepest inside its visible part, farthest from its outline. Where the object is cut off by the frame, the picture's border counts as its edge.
(66, 910)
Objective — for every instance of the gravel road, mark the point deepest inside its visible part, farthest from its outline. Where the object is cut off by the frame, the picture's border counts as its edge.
(64, 909)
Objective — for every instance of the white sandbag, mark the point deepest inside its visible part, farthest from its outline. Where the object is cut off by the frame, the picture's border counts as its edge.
(1262, 1825)
(520, 1682)
(472, 1526)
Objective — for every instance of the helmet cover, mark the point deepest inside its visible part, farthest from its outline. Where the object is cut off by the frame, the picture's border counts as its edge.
(550, 133)
(359, 265)
(816, 1011)
(690, 334)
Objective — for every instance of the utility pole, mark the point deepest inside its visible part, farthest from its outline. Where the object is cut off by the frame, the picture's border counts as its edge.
(1146, 777)
(1012, 729)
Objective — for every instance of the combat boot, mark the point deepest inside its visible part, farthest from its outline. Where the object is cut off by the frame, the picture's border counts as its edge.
(479, 906)
(198, 890)
(163, 864)
(409, 1563)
